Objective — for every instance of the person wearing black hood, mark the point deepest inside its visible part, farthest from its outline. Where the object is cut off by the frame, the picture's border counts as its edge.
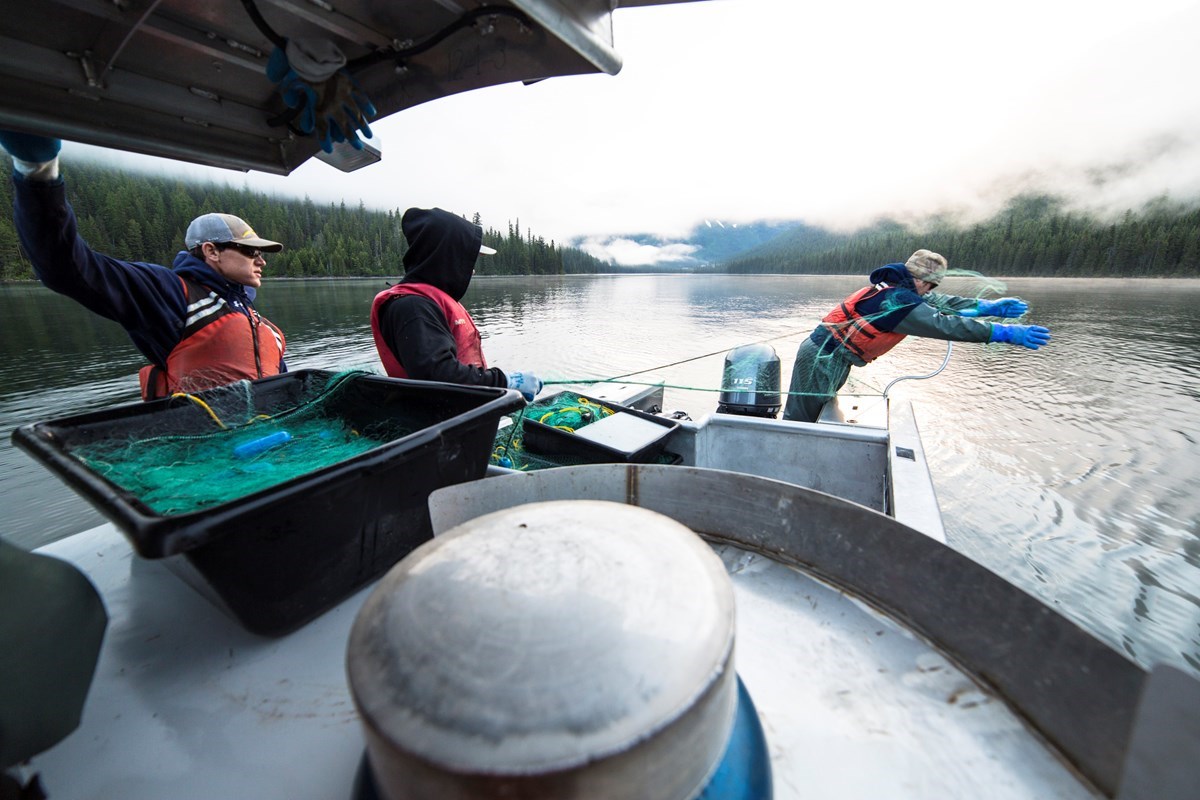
(899, 302)
(421, 329)
(195, 323)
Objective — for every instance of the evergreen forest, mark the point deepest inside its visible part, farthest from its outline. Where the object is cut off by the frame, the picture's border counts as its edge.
(1034, 235)
(139, 217)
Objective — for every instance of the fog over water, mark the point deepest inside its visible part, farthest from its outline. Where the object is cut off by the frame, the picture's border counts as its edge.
(836, 114)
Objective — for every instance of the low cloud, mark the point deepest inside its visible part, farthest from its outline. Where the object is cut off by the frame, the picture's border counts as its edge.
(626, 252)
(1089, 100)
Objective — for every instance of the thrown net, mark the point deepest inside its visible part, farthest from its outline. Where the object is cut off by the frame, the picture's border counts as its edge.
(823, 367)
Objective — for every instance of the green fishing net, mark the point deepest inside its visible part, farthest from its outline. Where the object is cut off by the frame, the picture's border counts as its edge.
(239, 448)
(566, 411)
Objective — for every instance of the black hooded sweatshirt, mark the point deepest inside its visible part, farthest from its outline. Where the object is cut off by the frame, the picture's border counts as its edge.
(442, 248)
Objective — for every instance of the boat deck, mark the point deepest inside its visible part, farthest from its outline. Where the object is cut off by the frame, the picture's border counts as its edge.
(865, 449)
(185, 704)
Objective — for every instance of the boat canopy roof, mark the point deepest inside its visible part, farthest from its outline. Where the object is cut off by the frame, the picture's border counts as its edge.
(187, 80)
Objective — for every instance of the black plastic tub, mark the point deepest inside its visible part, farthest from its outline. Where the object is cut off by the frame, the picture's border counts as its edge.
(279, 557)
(627, 436)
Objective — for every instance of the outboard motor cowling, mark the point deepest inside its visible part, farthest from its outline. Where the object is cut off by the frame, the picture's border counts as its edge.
(750, 382)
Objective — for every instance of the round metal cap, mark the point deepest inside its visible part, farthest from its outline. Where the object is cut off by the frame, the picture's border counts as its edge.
(560, 649)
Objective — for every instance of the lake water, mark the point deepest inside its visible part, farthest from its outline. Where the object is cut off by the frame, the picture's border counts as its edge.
(1071, 471)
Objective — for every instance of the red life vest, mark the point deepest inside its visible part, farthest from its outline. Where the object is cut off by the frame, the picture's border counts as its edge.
(855, 332)
(467, 344)
(220, 345)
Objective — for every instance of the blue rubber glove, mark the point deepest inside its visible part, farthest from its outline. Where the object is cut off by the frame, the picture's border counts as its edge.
(309, 76)
(296, 93)
(1009, 307)
(1031, 336)
(526, 383)
(342, 112)
(29, 148)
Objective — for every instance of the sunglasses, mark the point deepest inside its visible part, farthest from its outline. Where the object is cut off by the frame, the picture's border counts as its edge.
(248, 252)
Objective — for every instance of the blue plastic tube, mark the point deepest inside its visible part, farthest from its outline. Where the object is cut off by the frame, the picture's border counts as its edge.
(255, 446)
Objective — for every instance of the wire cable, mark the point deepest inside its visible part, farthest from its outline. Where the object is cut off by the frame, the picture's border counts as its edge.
(263, 26)
(465, 21)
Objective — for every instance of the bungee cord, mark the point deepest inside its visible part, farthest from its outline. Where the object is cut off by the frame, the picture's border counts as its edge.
(945, 361)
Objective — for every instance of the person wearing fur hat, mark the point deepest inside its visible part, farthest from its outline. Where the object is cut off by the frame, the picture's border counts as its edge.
(900, 302)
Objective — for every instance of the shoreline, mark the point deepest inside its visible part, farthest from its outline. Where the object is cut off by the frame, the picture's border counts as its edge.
(389, 279)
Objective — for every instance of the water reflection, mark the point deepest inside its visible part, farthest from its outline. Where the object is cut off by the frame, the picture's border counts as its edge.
(1070, 471)
(1080, 462)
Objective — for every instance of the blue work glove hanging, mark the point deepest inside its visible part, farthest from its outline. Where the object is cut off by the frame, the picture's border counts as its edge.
(526, 383)
(311, 78)
(1009, 307)
(1031, 336)
(296, 93)
(343, 112)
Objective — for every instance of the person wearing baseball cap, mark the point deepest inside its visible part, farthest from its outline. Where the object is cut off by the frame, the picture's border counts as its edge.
(195, 322)
(899, 302)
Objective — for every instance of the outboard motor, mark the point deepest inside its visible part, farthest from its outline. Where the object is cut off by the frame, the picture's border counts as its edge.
(750, 382)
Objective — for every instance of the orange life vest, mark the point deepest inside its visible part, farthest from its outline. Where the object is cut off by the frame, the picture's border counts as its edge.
(467, 343)
(220, 345)
(855, 332)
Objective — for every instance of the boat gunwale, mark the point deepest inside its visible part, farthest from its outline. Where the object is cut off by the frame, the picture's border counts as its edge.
(1075, 692)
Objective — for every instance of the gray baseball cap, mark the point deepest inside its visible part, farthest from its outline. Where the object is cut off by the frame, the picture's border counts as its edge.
(226, 228)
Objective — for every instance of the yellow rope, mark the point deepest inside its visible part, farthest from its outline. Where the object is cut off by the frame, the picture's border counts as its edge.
(200, 403)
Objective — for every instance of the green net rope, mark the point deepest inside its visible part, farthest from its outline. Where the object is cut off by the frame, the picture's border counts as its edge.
(177, 474)
(566, 411)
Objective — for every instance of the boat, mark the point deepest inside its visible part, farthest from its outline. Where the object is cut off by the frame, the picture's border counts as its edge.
(188, 81)
(879, 660)
(867, 658)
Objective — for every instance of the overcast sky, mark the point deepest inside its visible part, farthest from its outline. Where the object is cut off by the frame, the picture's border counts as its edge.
(834, 113)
